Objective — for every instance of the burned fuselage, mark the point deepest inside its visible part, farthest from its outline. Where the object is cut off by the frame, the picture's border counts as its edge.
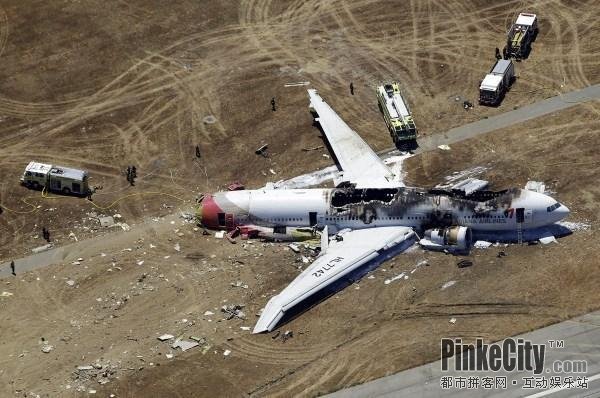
(282, 212)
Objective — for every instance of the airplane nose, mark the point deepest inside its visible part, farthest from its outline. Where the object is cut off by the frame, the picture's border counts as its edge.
(209, 211)
(563, 211)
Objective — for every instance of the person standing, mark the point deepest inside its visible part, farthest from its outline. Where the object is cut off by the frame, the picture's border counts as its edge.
(273, 108)
(12, 268)
(351, 88)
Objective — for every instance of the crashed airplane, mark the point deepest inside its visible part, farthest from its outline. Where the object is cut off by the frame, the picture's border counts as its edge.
(371, 216)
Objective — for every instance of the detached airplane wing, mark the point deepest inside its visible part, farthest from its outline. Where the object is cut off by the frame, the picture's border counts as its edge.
(340, 258)
(360, 165)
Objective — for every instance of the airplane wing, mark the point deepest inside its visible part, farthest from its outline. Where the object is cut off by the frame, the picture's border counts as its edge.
(341, 257)
(360, 165)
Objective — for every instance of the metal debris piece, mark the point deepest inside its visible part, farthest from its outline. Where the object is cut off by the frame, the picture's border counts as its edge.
(107, 221)
(184, 344)
(315, 148)
(262, 151)
(165, 337)
(464, 263)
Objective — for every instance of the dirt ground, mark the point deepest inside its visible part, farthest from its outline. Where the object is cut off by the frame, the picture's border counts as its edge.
(103, 85)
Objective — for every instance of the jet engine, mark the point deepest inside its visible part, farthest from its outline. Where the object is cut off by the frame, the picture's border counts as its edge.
(452, 239)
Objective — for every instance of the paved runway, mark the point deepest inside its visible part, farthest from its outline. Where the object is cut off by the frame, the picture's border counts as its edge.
(581, 342)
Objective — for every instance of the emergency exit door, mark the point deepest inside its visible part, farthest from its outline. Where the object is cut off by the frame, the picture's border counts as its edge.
(524, 216)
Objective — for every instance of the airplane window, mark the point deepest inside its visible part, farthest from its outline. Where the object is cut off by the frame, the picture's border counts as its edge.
(553, 207)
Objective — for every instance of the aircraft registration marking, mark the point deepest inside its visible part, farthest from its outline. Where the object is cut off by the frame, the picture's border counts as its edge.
(330, 264)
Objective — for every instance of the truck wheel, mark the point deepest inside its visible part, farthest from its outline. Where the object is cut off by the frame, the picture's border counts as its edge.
(66, 191)
(34, 185)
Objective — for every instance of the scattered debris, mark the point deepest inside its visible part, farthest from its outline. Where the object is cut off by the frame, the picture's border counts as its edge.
(177, 247)
(453, 320)
(226, 353)
(46, 348)
(6, 294)
(294, 247)
(501, 254)
(184, 344)
(72, 236)
(233, 311)
(464, 263)
(296, 84)
(288, 334)
(262, 150)
(40, 249)
(239, 284)
(220, 234)
(467, 104)
(574, 226)
(169, 356)
(444, 147)
(272, 171)
(547, 239)
(482, 244)
(107, 221)
(165, 337)
(71, 282)
(236, 186)
(275, 335)
(315, 148)
(208, 313)
(535, 186)
(395, 278)
(448, 284)
(245, 328)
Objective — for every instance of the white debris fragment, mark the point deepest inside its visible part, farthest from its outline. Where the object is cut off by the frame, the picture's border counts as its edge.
(305, 260)
(76, 263)
(294, 247)
(448, 284)
(107, 221)
(246, 328)
(226, 353)
(272, 171)
(125, 227)
(71, 282)
(482, 244)
(547, 239)
(208, 313)
(165, 337)
(184, 344)
(43, 248)
(220, 234)
(46, 348)
(574, 226)
(444, 147)
(6, 294)
(535, 186)
(395, 278)
(152, 246)
(177, 247)
(141, 262)
(72, 236)
(169, 356)
(453, 320)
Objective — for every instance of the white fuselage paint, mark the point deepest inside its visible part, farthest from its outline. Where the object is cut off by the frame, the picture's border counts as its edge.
(291, 208)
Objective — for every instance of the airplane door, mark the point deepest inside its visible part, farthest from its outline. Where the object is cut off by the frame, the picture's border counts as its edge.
(229, 221)
(520, 215)
(524, 216)
(312, 218)
(528, 216)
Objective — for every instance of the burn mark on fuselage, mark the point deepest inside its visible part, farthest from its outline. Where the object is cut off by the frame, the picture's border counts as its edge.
(435, 208)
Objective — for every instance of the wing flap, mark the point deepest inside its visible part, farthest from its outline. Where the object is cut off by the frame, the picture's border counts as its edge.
(342, 257)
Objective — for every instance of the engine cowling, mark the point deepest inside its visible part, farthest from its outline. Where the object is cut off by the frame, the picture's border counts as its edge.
(452, 239)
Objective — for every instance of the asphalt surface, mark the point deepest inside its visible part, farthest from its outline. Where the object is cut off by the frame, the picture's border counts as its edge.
(535, 110)
(581, 338)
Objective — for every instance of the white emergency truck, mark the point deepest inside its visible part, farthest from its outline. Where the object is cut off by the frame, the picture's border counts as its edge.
(55, 178)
